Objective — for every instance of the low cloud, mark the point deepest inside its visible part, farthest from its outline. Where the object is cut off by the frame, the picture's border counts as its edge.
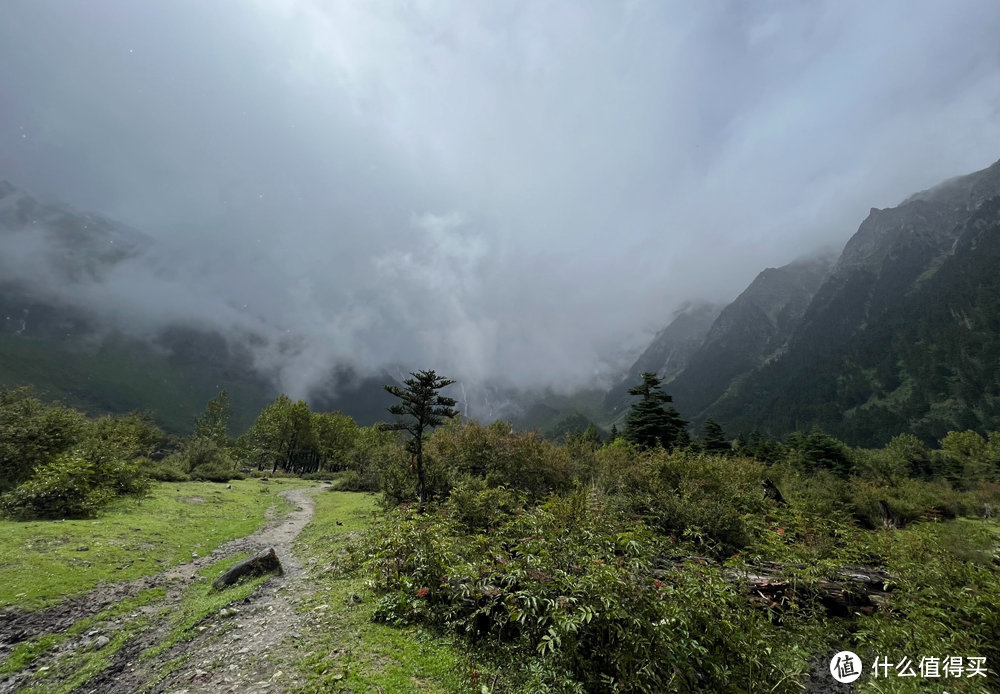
(519, 194)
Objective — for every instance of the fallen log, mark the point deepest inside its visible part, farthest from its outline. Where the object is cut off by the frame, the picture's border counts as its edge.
(262, 563)
(853, 589)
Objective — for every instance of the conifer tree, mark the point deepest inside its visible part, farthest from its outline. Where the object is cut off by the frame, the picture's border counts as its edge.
(423, 408)
(651, 422)
(713, 439)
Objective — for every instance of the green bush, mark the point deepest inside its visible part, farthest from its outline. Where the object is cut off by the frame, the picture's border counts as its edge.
(352, 481)
(167, 470)
(700, 498)
(581, 599)
(63, 488)
(478, 507)
(519, 460)
(32, 433)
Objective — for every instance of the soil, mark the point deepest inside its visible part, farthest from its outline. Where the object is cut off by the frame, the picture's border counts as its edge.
(243, 648)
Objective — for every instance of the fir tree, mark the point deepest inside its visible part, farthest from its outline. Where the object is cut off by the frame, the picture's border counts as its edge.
(713, 439)
(651, 422)
(423, 408)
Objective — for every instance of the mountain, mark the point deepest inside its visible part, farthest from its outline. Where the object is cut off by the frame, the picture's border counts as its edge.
(750, 331)
(901, 334)
(669, 352)
(69, 351)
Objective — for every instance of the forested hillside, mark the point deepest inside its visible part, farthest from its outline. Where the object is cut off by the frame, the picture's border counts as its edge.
(900, 335)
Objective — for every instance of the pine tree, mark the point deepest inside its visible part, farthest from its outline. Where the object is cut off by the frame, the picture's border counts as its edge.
(614, 433)
(713, 439)
(650, 421)
(424, 408)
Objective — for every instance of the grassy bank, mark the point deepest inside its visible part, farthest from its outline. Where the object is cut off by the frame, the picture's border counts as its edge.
(44, 562)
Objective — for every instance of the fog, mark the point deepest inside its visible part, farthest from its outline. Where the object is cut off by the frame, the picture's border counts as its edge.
(520, 192)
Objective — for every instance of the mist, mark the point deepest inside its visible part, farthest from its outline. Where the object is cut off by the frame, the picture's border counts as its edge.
(519, 194)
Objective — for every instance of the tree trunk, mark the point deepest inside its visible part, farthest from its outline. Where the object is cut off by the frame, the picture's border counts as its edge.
(263, 563)
(855, 589)
(421, 485)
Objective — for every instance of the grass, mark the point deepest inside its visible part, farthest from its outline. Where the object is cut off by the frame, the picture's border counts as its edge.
(44, 562)
(342, 649)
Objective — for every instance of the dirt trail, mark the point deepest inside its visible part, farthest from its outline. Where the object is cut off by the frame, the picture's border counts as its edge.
(237, 653)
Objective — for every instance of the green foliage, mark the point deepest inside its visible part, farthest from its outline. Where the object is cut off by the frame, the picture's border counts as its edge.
(502, 457)
(713, 439)
(650, 421)
(699, 499)
(62, 465)
(200, 459)
(62, 488)
(580, 599)
(170, 469)
(970, 456)
(477, 507)
(32, 433)
(213, 424)
(378, 461)
(288, 436)
(817, 450)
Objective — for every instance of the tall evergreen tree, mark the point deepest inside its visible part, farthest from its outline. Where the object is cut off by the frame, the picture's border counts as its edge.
(651, 421)
(422, 408)
(713, 439)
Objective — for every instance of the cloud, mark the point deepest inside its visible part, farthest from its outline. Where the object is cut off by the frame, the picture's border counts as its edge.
(520, 192)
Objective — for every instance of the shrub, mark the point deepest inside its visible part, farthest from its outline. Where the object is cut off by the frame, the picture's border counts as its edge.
(212, 472)
(32, 433)
(519, 460)
(579, 597)
(352, 481)
(477, 507)
(699, 497)
(167, 470)
(61, 489)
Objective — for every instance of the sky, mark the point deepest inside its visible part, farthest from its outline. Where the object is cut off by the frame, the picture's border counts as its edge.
(514, 191)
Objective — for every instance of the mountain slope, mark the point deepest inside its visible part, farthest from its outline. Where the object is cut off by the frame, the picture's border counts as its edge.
(903, 334)
(669, 352)
(753, 329)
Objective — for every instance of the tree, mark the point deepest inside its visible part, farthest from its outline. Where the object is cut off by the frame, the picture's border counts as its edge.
(213, 423)
(283, 435)
(650, 421)
(713, 439)
(424, 408)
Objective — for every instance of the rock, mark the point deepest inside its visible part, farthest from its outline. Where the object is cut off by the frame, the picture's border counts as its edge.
(263, 563)
(101, 641)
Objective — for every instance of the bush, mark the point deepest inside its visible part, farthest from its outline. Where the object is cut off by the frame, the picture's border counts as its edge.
(579, 597)
(477, 507)
(701, 498)
(212, 472)
(167, 470)
(61, 489)
(32, 433)
(352, 481)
